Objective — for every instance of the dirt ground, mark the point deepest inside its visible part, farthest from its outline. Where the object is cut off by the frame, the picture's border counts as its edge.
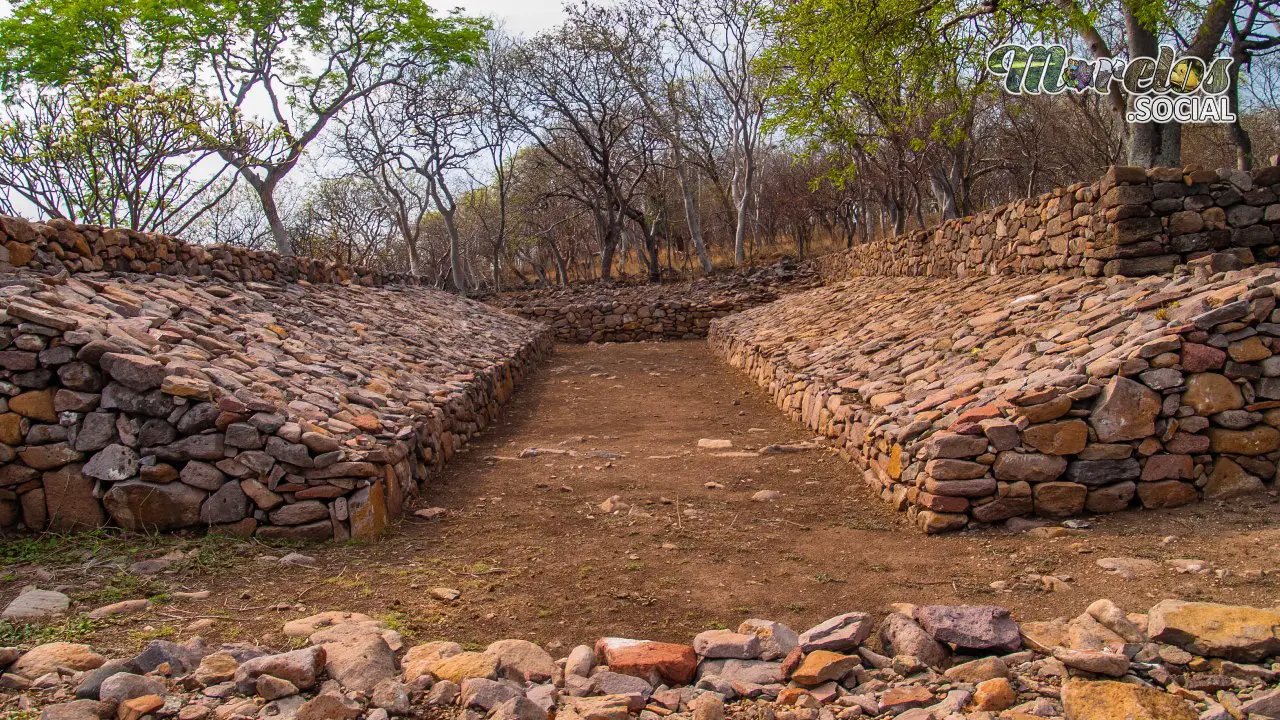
(533, 556)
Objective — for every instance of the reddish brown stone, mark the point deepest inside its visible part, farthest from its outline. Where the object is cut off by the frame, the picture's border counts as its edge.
(1188, 443)
(1198, 358)
(1059, 499)
(1065, 437)
(1168, 467)
(69, 496)
(941, 503)
(970, 421)
(675, 664)
(1166, 494)
(1126, 410)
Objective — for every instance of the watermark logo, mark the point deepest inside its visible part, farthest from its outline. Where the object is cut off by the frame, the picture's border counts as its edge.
(1161, 89)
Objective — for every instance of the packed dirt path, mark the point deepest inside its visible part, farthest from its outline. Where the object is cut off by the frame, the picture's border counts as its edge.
(533, 555)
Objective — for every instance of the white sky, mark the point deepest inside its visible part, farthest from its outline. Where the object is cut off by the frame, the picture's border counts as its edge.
(521, 17)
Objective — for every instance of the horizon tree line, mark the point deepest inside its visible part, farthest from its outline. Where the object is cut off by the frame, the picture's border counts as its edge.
(646, 138)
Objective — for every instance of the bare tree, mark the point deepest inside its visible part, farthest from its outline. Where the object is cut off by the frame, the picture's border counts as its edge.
(727, 37)
(443, 119)
(589, 121)
(370, 141)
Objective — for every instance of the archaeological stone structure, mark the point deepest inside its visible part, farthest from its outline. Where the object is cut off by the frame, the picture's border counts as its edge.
(1131, 222)
(632, 313)
(1106, 346)
(1003, 377)
(224, 389)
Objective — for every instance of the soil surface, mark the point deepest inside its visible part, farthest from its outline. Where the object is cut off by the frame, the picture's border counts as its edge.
(532, 554)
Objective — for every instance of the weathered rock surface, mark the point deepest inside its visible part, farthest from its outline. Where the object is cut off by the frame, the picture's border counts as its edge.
(953, 395)
(349, 672)
(1231, 631)
(226, 393)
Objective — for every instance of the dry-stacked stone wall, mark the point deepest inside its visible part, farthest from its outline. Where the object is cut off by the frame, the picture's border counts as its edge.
(1131, 222)
(596, 312)
(58, 246)
(281, 410)
(969, 402)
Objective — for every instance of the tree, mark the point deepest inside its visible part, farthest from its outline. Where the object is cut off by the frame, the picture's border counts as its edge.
(1253, 31)
(585, 118)
(493, 76)
(656, 68)
(304, 61)
(442, 118)
(334, 223)
(109, 151)
(727, 37)
(370, 141)
(1151, 143)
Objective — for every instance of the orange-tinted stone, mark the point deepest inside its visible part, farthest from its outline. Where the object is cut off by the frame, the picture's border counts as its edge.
(674, 663)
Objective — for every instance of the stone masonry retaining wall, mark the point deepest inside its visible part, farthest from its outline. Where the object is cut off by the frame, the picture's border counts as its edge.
(631, 313)
(1131, 222)
(57, 246)
(967, 402)
(282, 410)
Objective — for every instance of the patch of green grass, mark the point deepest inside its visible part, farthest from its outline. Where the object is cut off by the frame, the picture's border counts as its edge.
(123, 586)
(73, 628)
(144, 636)
(212, 551)
(19, 715)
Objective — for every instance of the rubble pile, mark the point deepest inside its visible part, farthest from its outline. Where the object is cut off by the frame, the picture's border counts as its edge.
(1178, 661)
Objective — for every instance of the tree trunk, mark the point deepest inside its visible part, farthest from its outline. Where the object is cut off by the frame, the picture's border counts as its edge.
(944, 194)
(609, 247)
(1151, 144)
(744, 209)
(455, 251)
(1236, 131)
(691, 217)
(651, 245)
(279, 233)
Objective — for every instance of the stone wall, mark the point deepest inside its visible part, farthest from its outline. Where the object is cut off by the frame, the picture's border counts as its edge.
(281, 410)
(57, 246)
(596, 312)
(1131, 222)
(969, 402)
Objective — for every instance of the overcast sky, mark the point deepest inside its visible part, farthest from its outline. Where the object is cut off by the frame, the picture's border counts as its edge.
(523, 17)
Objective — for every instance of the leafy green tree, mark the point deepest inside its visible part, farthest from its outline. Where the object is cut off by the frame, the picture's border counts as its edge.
(278, 71)
(862, 70)
(892, 84)
(109, 151)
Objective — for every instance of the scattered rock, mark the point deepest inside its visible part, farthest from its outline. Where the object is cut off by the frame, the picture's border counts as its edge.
(36, 605)
(1108, 700)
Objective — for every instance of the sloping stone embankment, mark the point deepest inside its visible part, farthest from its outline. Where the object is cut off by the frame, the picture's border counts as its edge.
(281, 410)
(58, 246)
(595, 312)
(1131, 222)
(968, 402)
(1178, 661)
